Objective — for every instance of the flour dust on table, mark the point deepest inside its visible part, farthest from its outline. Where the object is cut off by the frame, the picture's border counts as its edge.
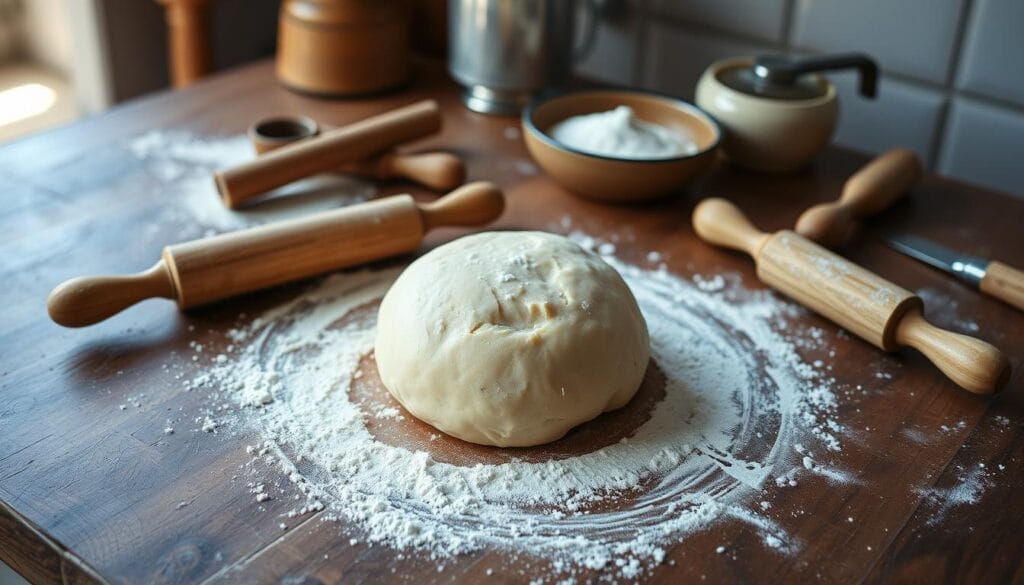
(184, 164)
(727, 411)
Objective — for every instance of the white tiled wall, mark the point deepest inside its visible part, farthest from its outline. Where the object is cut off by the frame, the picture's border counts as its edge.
(952, 86)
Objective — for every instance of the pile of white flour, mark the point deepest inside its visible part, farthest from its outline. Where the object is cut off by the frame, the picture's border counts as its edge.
(740, 409)
(619, 133)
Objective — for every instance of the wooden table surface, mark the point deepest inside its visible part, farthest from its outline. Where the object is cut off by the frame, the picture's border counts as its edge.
(88, 491)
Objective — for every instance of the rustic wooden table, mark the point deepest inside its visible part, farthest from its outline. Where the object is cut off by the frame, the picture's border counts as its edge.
(88, 491)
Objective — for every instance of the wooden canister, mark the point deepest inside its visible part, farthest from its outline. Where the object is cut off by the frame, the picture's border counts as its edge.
(344, 47)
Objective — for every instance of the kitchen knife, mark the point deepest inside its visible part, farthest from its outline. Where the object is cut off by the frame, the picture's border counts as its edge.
(992, 277)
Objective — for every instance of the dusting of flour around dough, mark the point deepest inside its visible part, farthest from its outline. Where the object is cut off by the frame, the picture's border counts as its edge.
(738, 398)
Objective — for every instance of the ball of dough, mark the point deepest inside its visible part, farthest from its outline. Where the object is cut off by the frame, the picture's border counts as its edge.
(510, 338)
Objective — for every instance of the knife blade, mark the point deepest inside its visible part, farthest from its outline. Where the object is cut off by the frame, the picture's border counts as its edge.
(991, 277)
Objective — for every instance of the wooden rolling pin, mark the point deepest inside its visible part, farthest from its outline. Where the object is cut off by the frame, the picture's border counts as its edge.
(440, 171)
(862, 302)
(355, 142)
(202, 271)
(871, 190)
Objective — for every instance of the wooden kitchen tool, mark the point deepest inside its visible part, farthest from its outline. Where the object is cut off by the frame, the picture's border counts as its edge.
(871, 190)
(440, 171)
(354, 142)
(862, 302)
(202, 271)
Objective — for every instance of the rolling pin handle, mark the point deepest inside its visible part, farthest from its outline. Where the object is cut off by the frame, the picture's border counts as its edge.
(881, 183)
(90, 299)
(723, 224)
(440, 171)
(973, 364)
(473, 204)
(871, 190)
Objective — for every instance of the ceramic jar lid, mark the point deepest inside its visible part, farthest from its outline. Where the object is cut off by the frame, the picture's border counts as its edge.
(786, 78)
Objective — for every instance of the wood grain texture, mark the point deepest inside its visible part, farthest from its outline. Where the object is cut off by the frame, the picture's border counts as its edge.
(104, 484)
(1005, 283)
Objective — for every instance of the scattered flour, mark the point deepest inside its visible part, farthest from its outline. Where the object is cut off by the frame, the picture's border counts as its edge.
(184, 165)
(971, 484)
(737, 397)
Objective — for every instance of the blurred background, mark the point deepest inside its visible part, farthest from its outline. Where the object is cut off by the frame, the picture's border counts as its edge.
(952, 86)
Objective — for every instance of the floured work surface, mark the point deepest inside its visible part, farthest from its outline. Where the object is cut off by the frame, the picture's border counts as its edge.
(765, 443)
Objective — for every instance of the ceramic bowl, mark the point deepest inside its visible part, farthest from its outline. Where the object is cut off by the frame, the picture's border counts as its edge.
(619, 179)
(767, 134)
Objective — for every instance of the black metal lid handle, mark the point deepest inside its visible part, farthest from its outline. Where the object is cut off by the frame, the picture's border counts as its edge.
(783, 70)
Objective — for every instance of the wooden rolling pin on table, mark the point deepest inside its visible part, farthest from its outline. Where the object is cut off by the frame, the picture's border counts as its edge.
(862, 302)
(207, 270)
(441, 171)
(869, 191)
(329, 151)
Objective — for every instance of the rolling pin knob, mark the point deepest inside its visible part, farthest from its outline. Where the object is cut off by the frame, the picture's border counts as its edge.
(829, 224)
(473, 204)
(973, 364)
(871, 190)
(90, 299)
(440, 171)
(723, 224)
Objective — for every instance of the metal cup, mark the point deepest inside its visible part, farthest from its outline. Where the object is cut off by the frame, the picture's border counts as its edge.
(505, 51)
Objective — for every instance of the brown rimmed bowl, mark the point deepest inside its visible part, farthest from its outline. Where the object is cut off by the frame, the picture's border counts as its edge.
(619, 179)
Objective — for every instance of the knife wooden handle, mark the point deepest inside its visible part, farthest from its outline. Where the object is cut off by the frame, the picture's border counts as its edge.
(871, 190)
(862, 302)
(1004, 283)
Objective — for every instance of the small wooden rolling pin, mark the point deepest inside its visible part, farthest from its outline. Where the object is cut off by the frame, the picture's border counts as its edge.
(869, 191)
(440, 171)
(862, 302)
(207, 270)
(329, 151)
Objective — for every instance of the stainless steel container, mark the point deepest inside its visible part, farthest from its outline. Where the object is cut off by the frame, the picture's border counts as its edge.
(505, 51)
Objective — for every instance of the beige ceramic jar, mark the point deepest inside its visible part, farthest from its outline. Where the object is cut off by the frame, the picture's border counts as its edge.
(776, 112)
(767, 134)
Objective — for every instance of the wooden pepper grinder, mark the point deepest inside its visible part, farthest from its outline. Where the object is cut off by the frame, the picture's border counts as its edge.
(867, 305)
(344, 47)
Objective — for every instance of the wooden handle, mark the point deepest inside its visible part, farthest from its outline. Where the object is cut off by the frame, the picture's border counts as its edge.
(864, 303)
(327, 151)
(973, 364)
(721, 223)
(472, 204)
(440, 171)
(871, 190)
(90, 299)
(1005, 283)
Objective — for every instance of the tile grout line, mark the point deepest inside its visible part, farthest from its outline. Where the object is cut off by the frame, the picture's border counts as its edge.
(949, 88)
